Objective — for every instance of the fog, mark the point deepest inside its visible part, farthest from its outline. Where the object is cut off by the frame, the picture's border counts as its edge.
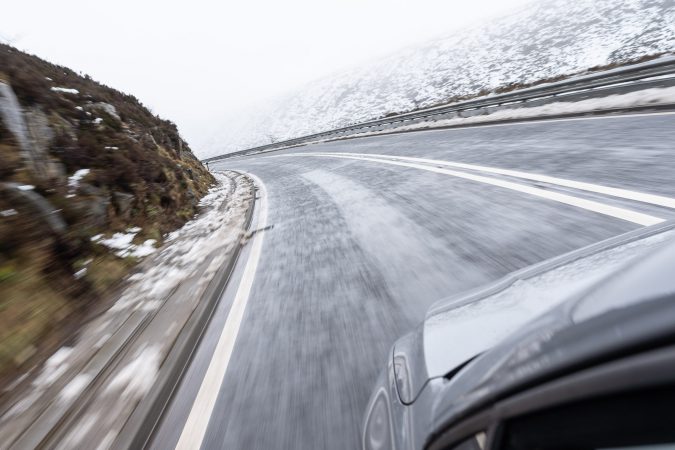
(199, 61)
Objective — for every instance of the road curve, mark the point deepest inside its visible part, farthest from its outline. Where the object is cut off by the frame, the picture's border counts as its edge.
(361, 245)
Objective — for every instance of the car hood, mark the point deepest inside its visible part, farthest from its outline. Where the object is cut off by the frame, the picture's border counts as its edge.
(460, 328)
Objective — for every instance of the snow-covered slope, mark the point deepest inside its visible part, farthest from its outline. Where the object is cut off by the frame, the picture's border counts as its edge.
(549, 38)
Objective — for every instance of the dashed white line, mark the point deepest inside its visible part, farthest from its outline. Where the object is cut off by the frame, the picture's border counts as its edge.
(590, 205)
(200, 414)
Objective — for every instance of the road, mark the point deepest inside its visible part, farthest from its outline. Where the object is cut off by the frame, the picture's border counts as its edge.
(360, 247)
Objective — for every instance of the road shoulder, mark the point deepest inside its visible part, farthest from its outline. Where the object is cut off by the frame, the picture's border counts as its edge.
(120, 368)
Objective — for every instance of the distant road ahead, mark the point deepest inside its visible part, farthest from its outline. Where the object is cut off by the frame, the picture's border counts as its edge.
(361, 247)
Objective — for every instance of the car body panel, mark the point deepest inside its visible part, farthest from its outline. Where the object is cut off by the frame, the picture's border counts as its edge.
(461, 328)
(473, 348)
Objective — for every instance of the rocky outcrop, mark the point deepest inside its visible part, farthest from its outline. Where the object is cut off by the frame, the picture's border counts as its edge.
(123, 202)
(41, 209)
(108, 109)
(12, 117)
(32, 132)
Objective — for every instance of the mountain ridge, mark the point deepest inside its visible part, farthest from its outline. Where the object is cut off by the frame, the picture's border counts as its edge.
(551, 40)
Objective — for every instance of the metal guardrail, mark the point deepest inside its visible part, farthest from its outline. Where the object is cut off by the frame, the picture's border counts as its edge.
(656, 73)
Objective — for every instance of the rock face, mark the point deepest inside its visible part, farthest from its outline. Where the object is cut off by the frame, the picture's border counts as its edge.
(12, 117)
(31, 130)
(547, 39)
(40, 208)
(123, 202)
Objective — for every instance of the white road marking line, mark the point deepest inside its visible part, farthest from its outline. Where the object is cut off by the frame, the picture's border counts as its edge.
(590, 205)
(605, 190)
(202, 408)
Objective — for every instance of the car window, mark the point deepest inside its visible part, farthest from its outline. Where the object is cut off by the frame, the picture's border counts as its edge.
(639, 420)
(645, 447)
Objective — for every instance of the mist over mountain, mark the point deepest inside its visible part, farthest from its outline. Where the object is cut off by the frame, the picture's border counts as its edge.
(546, 40)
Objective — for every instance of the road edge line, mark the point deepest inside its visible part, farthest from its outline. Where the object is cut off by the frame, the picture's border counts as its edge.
(199, 417)
(138, 430)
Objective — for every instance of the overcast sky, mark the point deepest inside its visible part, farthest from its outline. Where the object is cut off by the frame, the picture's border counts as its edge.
(194, 61)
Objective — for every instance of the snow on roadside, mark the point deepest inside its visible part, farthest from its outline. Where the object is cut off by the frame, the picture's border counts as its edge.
(137, 377)
(646, 97)
(186, 248)
(184, 252)
(56, 365)
(208, 234)
(75, 387)
(52, 369)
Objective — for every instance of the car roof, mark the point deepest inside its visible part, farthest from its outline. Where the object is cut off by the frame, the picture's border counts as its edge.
(633, 305)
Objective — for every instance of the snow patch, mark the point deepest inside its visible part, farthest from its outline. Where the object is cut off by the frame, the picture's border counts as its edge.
(79, 431)
(53, 368)
(119, 241)
(75, 387)
(74, 181)
(137, 377)
(22, 405)
(8, 212)
(65, 90)
(122, 243)
(150, 305)
(144, 249)
(80, 273)
(102, 340)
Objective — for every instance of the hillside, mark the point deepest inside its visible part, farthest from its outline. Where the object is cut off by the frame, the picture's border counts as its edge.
(90, 182)
(548, 40)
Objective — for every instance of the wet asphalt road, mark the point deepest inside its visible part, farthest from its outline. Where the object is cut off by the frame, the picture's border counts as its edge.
(359, 250)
